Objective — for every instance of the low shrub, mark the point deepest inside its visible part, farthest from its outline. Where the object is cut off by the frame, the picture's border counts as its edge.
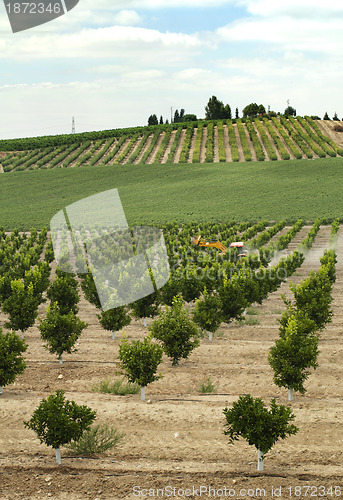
(95, 440)
(118, 387)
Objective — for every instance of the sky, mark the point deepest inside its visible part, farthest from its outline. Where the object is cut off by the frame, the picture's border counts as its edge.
(113, 63)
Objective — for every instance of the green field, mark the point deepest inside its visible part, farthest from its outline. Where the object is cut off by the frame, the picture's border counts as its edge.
(154, 194)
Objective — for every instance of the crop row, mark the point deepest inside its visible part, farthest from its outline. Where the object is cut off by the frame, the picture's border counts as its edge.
(197, 145)
(221, 143)
(244, 142)
(163, 146)
(277, 141)
(300, 137)
(265, 139)
(233, 143)
(286, 137)
(121, 157)
(256, 142)
(137, 151)
(209, 143)
(186, 145)
(312, 144)
(326, 139)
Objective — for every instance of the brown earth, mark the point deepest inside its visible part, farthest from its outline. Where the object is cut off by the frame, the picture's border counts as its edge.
(175, 438)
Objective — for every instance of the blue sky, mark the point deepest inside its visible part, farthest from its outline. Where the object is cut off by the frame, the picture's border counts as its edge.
(113, 63)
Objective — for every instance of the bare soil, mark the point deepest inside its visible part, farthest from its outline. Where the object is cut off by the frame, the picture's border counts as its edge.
(175, 438)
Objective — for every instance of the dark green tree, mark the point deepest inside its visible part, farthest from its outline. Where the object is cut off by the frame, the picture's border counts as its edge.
(335, 118)
(63, 290)
(146, 307)
(140, 361)
(161, 120)
(11, 360)
(189, 117)
(21, 306)
(60, 331)
(326, 117)
(290, 111)
(89, 289)
(236, 114)
(313, 297)
(177, 332)
(152, 120)
(215, 109)
(294, 353)
(251, 110)
(114, 319)
(176, 116)
(233, 299)
(207, 313)
(57, 421)
(250, 419)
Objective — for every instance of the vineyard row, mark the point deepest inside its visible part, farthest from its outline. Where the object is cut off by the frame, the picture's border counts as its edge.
(207, 142)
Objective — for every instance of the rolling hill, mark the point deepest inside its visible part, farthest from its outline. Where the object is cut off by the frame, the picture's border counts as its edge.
(225, 141)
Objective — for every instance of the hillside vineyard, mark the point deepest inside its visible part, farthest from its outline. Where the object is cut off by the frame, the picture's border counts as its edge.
(260, 139)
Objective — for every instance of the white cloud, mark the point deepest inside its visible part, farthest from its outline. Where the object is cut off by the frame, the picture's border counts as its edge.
(154, 4)
(111, 42)
(290, 34)
(294, 8)
(128, 18)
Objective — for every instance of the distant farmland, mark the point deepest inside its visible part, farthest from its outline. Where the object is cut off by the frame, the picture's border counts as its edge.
(225, 141)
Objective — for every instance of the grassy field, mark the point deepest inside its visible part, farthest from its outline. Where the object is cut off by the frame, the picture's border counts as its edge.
(159, 193)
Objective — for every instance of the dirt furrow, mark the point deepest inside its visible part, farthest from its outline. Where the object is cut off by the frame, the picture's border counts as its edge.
(215, 145)
(152, 157)
(239, 144)
(193, 140)
(227, 144)
(145, 147)
(251, 146)
(203, 145)
(179, 146)
(262, 143)
(283, 141)
(169, 146)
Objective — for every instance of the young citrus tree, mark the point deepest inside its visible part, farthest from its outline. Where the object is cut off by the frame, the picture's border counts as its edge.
(39, 277)
(313, 297)
(89, 289)
(140, 361)
(11, 360)
(21, 306)
(233, 299)
(114, 319)
(169, 289)
(177, 332)
(57, 421)
(294, 353)
(329, 259)
(146, 307)
(60, 331)
(250, 419)
(63, 290)
(207, 313)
